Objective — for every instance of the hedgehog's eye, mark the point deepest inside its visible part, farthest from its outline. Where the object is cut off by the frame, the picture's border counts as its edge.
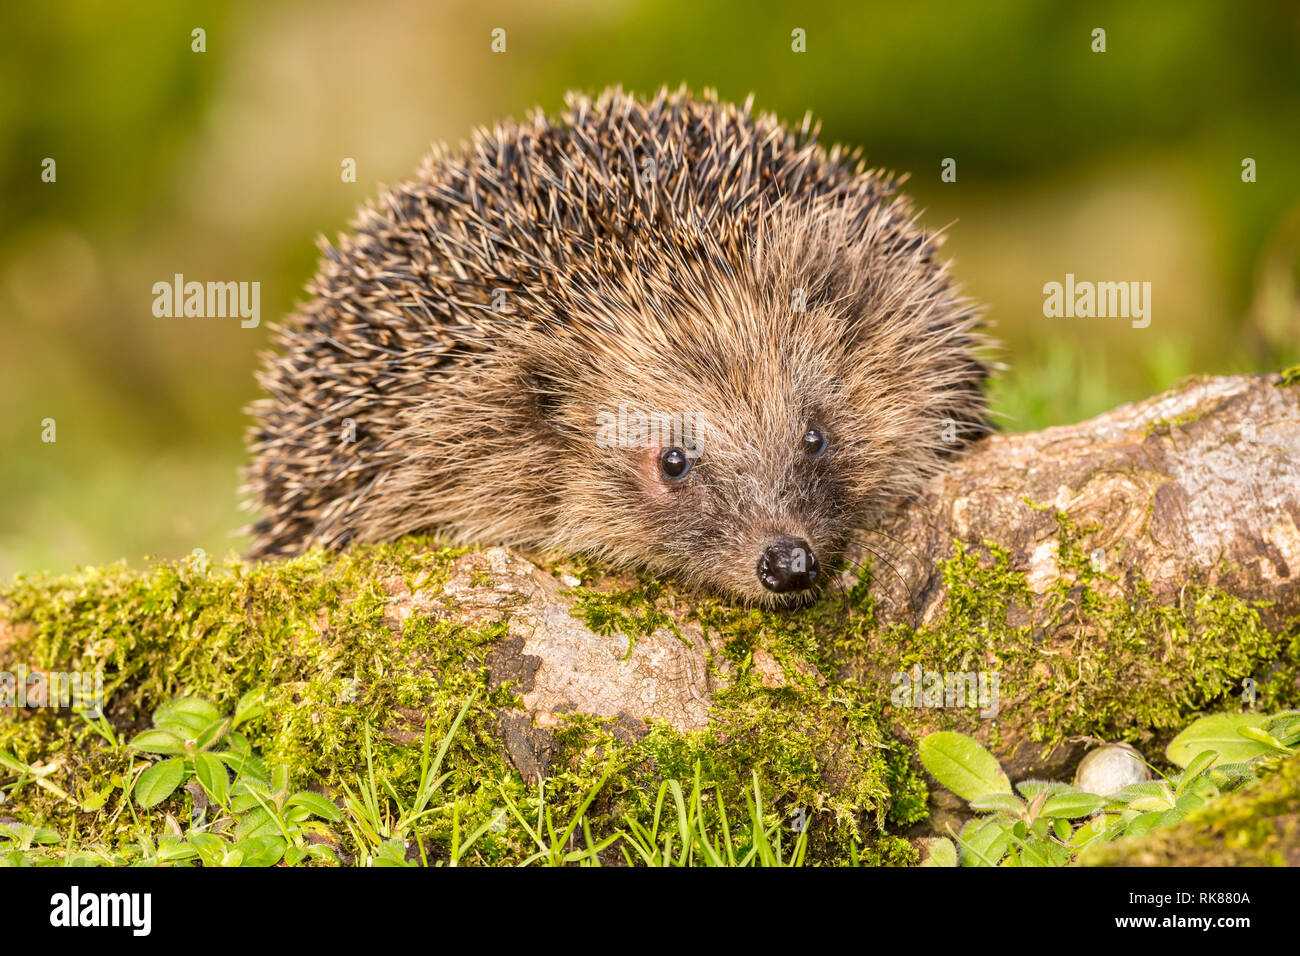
(674, 463)
(813, 442)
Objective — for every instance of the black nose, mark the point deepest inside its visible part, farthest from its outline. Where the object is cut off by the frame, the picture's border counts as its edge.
(788, 564)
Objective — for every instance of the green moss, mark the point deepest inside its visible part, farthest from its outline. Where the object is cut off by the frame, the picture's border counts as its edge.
(1163, 426)
(1096, 657)
(1256, 826)
(1290, 376)
(1099, 657)
(315, 632)
(633, 612)
(310, 630)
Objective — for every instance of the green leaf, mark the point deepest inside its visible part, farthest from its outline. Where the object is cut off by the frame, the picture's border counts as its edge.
(212, 776)
(983, 841)
(159, 782)
(319, 851)
(186, 715)
(1230, 774)
(1033, 853)
(1189, 801)
(1032, 788)
(1072, 805)
(316, 804)
(1197, 766)
(1003, 802)
(942, 853)
(1285, 726)
(256, 823)
(1156, 802)
(280, 781)
(1147, 788)
(212, 734)
(94, 801)
(1265, 738)
(294, 855)
(244, 795)
(262, 850)
(391, 853)
(1220, 733)
(1144, 822)
(158, 742)
(1090, 830)
(246, 766)
(210, 848)
(251, 705)
(1062, 829)
(176, 852)
(1172, 816)
(962, 765)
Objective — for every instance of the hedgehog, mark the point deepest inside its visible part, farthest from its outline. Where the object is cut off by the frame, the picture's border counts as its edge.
(669, 333)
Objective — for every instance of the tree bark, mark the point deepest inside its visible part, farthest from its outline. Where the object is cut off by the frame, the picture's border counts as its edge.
(1199, 483)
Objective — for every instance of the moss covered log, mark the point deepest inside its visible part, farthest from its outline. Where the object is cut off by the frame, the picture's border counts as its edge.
(1007, 623)
(397, 637)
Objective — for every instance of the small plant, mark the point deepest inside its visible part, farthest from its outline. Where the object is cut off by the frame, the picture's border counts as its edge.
(189, 732)
(381, 823)
(260, 819)
(685, 838)
(557, 849)
(1047, 823)
(1237, 738)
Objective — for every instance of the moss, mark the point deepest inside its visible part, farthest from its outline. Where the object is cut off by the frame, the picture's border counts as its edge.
(1256, 826)
(633, 612)
(816, 744)
(1099, 657)
(1289, 376)
(1163, 426)
(310, 630)
(317, 633)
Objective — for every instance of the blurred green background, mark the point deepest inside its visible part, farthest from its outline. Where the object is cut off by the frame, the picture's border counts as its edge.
(224, 165)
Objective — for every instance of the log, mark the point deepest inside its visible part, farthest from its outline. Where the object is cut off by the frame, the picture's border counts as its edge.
(1200, 483)
(1114, 578)
(1195, 488)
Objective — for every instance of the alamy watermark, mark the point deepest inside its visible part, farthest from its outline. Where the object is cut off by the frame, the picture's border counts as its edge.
(74, 908)
(920, 688)
(1100, 300)
(211, 300)
(637, 428)
(33, 689)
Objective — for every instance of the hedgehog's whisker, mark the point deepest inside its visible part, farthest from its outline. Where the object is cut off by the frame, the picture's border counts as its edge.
(923, 562)
(889, 564)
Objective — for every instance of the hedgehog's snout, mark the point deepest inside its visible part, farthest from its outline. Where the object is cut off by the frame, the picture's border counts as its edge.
(788, 564)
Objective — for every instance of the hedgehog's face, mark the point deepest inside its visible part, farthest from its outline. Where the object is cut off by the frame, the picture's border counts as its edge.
(738, 483)
(758, 515)
(735, 422)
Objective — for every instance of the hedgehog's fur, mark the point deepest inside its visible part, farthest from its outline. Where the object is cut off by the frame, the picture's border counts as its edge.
(650, 254)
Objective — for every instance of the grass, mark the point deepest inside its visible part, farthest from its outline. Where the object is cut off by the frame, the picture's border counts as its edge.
(263, 825)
